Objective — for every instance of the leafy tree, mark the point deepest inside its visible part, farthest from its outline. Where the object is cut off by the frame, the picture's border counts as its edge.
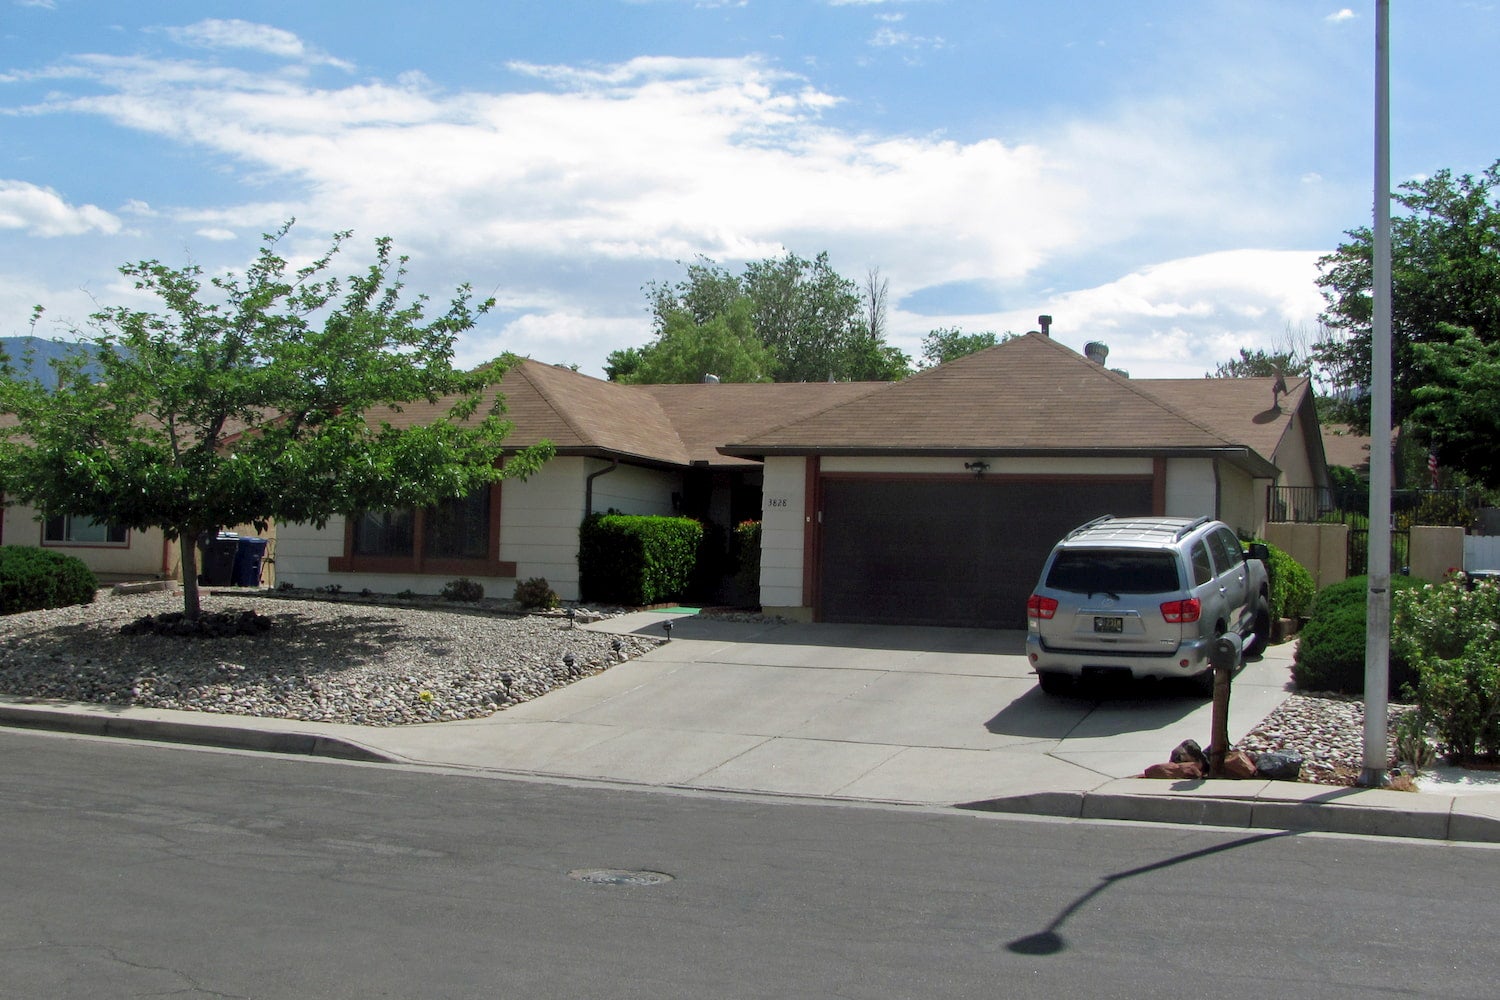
(1459, 405)
(949, 343)
(725, 346)
(813, 322)
(252, 398)
(1260, 363)
(1445, 275)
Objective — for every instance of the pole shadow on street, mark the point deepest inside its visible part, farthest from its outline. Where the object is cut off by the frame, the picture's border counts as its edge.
(1049, 941)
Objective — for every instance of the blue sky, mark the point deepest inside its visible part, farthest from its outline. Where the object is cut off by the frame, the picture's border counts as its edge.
(1157, 174)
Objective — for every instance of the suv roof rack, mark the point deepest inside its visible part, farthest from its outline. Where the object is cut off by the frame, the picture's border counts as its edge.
(1192, 526)
(1086, 526)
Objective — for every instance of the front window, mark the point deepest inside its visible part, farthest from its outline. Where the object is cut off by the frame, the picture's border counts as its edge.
(70, 530)
(454, 537)
(384, 532)
(458, 529)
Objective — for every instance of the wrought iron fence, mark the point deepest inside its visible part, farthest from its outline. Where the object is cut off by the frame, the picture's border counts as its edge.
(1312, 504)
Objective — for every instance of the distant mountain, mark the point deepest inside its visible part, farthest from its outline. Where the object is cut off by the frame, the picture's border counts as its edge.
(43, 351)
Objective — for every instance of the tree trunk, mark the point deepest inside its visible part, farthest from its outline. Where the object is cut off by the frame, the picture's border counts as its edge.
(188, 539)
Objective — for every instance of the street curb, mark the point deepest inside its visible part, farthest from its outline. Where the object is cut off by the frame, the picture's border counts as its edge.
(201, 734)
(1449, 820)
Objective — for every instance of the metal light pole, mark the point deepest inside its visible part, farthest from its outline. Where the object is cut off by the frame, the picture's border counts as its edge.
(1378, 606)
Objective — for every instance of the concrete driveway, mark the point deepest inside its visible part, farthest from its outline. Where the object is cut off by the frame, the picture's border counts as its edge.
(925, 715)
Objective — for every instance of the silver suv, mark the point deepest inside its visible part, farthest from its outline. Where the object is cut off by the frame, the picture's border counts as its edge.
(1145, 596)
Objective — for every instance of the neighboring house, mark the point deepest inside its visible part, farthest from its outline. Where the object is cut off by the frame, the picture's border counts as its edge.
(111, 551)
(928, 501)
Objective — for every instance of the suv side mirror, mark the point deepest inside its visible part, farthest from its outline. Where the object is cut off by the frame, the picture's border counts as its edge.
(1258, 550)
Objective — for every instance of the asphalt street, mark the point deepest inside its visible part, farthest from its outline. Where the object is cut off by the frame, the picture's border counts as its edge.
(136, 869)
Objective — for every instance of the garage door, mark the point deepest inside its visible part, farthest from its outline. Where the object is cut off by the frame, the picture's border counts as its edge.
(950, 552)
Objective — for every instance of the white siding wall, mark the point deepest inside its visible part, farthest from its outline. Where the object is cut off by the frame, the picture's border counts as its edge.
(538, 530)
(1190, 487)
(783, 517)
(1237, 494)
(140, 558)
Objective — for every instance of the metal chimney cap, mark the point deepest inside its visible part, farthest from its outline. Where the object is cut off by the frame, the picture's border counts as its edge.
(1046, 325)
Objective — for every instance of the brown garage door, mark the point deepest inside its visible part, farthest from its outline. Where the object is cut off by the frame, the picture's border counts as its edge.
(950, 552)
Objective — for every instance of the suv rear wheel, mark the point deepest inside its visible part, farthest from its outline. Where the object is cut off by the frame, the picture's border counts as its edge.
(1053, 682)
(1256, 644)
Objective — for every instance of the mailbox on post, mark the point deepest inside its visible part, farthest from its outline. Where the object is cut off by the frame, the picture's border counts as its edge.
(1225, 654)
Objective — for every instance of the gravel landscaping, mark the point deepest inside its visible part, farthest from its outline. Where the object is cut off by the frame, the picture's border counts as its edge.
(348, 660)
(377, 662)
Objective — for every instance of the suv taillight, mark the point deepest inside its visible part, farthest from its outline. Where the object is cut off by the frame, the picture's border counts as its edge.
(1182, 612)
(1038, 606)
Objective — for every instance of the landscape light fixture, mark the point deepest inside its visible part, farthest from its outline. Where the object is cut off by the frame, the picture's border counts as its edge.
(667, 627)
(569, 660)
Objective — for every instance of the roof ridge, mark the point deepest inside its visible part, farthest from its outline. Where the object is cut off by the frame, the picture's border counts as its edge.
(546, 397)
(1142, 392)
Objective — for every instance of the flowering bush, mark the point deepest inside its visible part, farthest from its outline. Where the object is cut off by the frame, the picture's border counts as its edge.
(1451, 635)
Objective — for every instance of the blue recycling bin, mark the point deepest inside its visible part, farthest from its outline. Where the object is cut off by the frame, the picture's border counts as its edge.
(248, 556)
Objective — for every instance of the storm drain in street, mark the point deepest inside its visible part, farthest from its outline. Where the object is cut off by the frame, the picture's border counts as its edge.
(616, 876)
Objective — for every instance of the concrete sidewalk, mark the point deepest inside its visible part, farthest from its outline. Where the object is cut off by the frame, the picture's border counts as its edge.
(866, 713)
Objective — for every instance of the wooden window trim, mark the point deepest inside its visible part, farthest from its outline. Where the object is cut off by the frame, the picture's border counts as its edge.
(416, 564)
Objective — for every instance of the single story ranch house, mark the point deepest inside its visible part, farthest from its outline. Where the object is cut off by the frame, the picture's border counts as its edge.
(929, 501)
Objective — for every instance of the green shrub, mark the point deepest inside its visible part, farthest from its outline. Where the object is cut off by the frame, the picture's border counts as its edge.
(1452, 636)
(746, 552)
(634, 559)
(536, 593)
(32, 579)
(1331, 649)
(462, 589)
(1291, 584)
(1462, 697)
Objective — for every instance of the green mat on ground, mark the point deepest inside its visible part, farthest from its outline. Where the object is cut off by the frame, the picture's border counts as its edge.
(680, 611)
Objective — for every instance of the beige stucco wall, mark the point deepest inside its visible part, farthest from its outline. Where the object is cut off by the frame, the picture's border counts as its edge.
(139, 558)
(1435, 551)
(1237, 506)
(1322, 549)
(539, 522)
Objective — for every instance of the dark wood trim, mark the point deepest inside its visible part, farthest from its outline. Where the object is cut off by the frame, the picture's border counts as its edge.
(1159, 486)
(812, 534)
(416, 564)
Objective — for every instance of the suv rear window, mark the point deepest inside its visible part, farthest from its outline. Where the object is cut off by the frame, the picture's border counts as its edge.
(1113, 571)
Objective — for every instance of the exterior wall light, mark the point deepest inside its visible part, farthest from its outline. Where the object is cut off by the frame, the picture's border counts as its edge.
(979, 467)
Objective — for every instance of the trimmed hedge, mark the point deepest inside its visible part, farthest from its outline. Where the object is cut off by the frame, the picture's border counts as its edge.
(1291, 584)
(746, 556)
(635, 560)
(1331, 649)
(32, 579)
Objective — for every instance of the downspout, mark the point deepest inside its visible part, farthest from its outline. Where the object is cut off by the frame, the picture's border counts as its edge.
(588, 486)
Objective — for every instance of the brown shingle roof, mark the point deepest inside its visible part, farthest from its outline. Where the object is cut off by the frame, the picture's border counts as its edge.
(669, 424)
(1028, 395)
(1238, 408)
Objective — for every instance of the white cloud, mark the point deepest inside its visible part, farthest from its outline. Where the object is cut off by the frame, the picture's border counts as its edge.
(219, 33)
(1341, 15)
(1178, 318)
(565, 194)
(41, 211)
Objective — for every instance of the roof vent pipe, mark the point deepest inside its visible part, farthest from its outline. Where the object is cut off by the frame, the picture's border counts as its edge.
(1096, 352)
(710, 380)
(1046, 325)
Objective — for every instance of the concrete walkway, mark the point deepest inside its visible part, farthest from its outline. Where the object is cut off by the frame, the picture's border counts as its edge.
(906, 715)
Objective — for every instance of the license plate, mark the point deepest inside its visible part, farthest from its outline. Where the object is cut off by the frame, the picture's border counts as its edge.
(1108, 624)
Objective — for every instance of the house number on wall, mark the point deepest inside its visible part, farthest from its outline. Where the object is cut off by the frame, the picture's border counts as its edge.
(776, 502)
